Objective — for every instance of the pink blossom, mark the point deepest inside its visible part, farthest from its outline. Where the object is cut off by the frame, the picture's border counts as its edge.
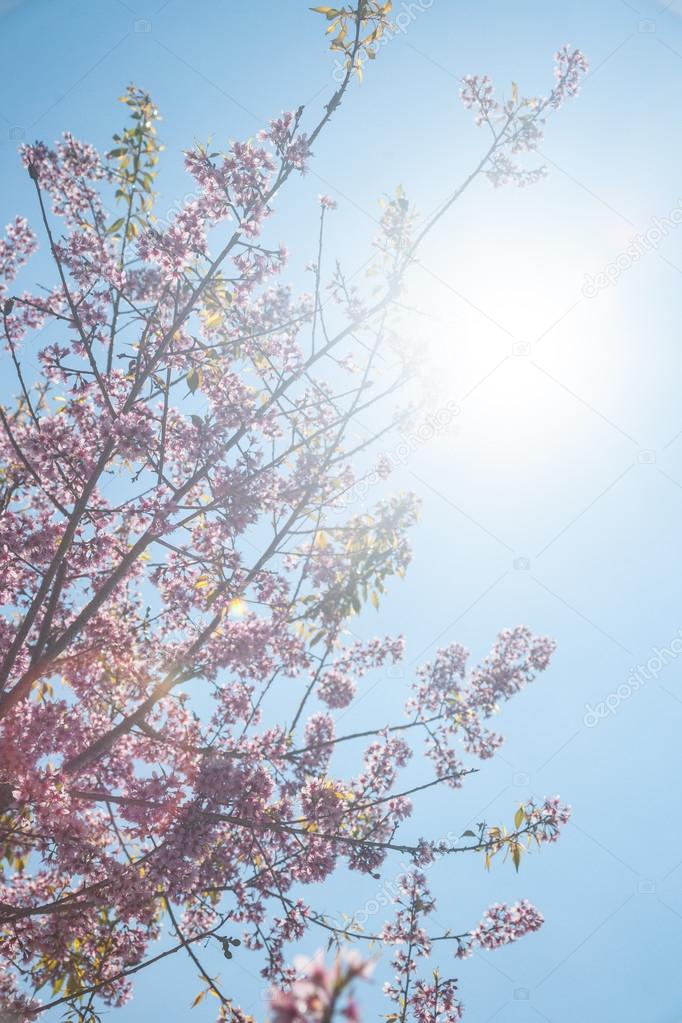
(182, 578)
(502, 924)
(314, 994)
(326, 202)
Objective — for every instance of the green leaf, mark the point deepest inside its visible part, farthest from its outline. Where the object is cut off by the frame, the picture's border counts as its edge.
(516, 856)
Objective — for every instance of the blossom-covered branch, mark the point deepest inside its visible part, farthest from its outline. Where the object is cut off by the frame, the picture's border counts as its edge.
(179, 565)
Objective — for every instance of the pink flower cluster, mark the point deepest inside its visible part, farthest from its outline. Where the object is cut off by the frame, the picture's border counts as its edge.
(478, 94)
(291, 144)
(546, 819)
(319, 991)
(455, 703)
(569, 67)
(502, 924)
(15, 250)
(179, 571)
(517, 126)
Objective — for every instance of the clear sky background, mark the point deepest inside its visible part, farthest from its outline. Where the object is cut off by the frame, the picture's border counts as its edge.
(556, 500)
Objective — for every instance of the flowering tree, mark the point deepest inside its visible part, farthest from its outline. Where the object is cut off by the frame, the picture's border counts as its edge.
(178, 552)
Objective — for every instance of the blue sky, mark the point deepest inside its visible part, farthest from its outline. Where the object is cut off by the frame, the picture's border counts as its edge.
(557, 498)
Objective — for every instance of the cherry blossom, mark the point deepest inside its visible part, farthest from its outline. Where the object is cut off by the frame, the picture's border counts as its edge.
(180, 567)
(318, 992)
(517, 125)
